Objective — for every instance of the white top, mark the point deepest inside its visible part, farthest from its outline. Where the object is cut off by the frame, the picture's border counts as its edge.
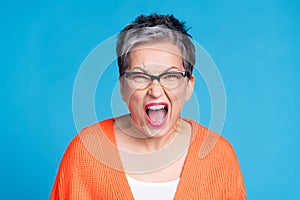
(149, 191)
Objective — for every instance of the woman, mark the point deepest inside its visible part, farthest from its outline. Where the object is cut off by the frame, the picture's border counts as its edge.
(151, 153)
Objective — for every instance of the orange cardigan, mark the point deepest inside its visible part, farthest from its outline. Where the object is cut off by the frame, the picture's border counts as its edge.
(91, 168)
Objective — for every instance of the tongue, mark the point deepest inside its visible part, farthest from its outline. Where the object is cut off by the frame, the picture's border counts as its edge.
(157, 116)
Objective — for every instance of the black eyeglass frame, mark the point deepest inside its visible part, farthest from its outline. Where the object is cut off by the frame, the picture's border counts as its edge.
(153, 77)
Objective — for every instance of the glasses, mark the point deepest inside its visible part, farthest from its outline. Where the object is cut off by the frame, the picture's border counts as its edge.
(141, 80)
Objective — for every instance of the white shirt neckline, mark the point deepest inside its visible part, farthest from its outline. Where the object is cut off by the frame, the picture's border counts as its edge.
(148, 190)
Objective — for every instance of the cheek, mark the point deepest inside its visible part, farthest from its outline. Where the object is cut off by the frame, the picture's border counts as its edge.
(127, 94)
(176, 99)
(182, 94)
(134, 100)
(135, 108)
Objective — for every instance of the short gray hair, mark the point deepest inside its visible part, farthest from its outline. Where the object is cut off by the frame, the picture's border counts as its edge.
(137, 34)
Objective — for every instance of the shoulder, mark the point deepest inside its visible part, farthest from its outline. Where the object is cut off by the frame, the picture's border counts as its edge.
(88, 142)
(94, 144)
(91, 132)
(209, 142)
(98, 130)
(85, 162)
(214, 154)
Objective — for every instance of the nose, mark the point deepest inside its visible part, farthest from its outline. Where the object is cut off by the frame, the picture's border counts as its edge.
(156, 90)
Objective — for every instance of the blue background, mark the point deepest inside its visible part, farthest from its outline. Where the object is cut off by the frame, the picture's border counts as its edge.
(255, 45)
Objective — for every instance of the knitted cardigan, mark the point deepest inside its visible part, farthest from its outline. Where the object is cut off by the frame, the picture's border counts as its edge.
(91, 168)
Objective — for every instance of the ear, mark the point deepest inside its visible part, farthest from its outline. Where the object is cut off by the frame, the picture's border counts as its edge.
(190, 88)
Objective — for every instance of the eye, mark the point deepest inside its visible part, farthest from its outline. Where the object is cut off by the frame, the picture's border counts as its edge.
(172, 76)
(139, 77)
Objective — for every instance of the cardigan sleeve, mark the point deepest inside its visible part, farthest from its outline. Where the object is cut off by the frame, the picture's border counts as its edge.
(67, 175)
(235, 181)
(90, 168)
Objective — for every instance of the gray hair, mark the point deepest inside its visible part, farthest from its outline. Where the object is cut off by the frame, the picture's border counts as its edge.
(129, 39)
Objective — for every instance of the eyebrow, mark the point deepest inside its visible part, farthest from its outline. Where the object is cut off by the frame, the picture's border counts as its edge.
(166, 70)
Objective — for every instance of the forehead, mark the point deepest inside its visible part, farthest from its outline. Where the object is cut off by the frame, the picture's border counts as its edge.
(161, 54)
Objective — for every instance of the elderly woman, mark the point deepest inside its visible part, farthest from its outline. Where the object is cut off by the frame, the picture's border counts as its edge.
(151, 153)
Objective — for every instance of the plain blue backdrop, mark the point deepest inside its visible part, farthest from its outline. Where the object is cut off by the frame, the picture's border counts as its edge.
(255, 45)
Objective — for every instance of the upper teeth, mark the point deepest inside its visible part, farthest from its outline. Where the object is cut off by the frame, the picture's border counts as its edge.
(156, 107)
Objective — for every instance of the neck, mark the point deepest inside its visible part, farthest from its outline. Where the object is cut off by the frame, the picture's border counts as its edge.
(151, 144)
(150, 154)
(143, 140)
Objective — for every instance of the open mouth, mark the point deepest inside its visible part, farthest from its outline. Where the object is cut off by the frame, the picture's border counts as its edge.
(156, 114)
